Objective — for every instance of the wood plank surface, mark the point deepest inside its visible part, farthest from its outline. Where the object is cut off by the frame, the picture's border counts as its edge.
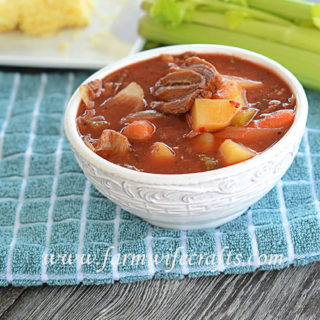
(9, 296)
(292, 293)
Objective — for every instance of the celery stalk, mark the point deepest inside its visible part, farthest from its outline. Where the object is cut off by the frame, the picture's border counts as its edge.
(315, 15)
(304, 38)
(300, 12)
(223, 7)
(290, 9)
(304, 64)
(233, 18)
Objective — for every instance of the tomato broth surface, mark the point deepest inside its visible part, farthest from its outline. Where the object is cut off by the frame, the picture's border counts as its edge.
(168, 93)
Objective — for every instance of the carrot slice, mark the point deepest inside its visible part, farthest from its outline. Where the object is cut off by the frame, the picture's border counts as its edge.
(245, 134)
(139, 130)
(277, 119)
(254, 138)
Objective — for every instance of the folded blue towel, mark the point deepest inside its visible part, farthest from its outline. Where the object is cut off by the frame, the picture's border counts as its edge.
(58, 229)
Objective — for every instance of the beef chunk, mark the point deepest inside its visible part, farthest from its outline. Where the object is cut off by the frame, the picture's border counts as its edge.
(206, 69)
(181, 105)
(90, 91)
(113, 142)
(176, 91)
(177, 85)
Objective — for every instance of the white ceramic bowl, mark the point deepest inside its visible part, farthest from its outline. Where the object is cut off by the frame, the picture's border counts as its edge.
(196, 200)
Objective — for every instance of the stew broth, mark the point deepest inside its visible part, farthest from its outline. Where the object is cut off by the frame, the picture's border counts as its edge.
(268, 96)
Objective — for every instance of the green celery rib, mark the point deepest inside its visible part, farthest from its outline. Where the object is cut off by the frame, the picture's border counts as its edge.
(304, 38)
(304, 64)
(290, 9)
(222, 7)
(315, 15)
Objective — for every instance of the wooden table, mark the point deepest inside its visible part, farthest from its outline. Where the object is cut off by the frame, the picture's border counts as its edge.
(292, 293)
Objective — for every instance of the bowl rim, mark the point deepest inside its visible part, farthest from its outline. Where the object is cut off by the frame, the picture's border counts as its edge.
(189, 178)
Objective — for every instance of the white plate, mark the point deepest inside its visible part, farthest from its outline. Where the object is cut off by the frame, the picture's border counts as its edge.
(111, 35)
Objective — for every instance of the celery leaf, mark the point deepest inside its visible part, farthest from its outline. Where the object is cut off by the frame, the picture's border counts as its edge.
(235, 17)
(169, 11)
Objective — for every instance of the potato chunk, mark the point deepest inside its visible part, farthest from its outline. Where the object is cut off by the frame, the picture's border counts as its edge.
(162, 152)
(232, 152)
(203, 142)
(213, 114)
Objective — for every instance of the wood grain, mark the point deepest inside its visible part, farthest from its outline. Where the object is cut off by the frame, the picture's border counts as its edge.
(292, 293)
(8, 296)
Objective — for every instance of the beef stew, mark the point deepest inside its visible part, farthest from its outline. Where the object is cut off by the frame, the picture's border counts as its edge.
(185, 113)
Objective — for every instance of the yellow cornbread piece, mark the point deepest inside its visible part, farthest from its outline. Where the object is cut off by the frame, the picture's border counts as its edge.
(44, 17)
(9, 15)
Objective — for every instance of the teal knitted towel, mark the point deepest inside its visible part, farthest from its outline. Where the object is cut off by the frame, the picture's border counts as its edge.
(58, 229)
